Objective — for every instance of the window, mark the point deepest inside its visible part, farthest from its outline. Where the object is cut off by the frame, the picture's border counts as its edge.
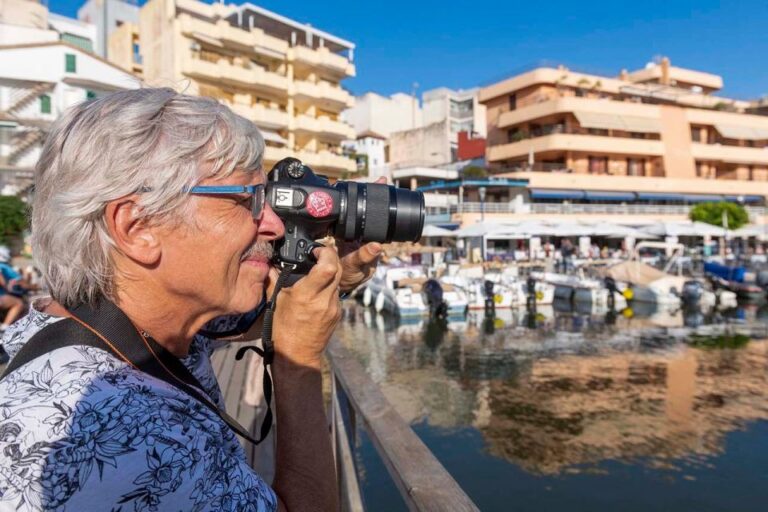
(515, 135)
(696, 134)
(45, 104)
(512, 101)
(70, 63)
(635, 167)
(598, 165)
(79, 41)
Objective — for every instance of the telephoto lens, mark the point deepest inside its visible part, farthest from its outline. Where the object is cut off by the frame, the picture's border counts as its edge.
(379, 213)
(311, 208)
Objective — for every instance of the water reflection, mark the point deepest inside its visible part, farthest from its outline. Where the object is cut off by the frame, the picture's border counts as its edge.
(561, 391)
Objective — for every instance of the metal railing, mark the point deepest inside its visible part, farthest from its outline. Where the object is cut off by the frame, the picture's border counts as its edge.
(568, 208)
(423, 482)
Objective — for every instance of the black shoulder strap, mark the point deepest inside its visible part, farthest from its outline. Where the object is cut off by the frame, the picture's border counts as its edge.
(127, 343)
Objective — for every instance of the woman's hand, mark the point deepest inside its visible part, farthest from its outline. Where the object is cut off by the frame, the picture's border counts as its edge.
(307, 312)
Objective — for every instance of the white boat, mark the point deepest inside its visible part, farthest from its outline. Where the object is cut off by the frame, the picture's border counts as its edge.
(507, 293)
(581, 290)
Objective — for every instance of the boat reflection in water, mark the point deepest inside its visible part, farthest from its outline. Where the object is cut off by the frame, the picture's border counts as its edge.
(561, 393)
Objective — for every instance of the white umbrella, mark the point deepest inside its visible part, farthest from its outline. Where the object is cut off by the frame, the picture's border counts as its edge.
(684, 229)
(477, 229)
(704, 229)
(437, 231)
(752, 230)
(610, 230)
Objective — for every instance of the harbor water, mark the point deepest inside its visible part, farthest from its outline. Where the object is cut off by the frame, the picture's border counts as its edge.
(564, 410)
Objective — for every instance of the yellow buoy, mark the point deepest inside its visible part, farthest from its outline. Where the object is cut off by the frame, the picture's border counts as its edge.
(628, 313)
(539, 295)
(628, 293)
(498, 298)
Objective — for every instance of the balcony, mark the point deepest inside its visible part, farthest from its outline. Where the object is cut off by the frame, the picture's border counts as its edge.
(273, 155)
(250, 78)
(223, 34)
(325, 126)
(262, 116)
(574, 142)
(547, 106)
(333, 95)
(729, 154)
(327, 162)
(324, 58)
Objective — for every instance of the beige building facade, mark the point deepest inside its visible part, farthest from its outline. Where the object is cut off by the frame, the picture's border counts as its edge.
(282, 75)
(659, 130)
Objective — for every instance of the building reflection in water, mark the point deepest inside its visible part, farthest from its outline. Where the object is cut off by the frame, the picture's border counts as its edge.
(560, 399)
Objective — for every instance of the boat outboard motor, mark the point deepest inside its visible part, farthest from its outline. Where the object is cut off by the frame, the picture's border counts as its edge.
(530, 289)
(490, 303)
(610, 285)
(692, 292)
(433, 296)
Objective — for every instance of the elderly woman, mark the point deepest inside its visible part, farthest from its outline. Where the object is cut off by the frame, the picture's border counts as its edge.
(117, 217)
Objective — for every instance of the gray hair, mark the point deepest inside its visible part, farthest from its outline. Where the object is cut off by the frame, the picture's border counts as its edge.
(153, 141)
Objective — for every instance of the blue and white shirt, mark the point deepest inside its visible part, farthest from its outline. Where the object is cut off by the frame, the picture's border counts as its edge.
(82, 430)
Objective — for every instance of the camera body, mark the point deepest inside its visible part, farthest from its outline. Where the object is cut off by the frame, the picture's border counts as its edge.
(312, 208)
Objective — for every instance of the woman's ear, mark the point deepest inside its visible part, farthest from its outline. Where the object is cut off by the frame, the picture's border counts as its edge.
(134, 237)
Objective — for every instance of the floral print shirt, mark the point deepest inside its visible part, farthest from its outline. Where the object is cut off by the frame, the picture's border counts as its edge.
(82, 430)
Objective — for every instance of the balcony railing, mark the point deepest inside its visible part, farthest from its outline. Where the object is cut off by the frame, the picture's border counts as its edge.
(325, 126)
(322, 57)
(325, 91)
(262, 116)
(251, 77)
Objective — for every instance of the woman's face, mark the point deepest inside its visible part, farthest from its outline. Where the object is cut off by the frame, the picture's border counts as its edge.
(207, 259)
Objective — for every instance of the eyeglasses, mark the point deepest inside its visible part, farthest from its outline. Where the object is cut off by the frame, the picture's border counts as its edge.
(258, 195)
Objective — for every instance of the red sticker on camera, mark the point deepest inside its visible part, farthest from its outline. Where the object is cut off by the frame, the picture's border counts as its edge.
(319, 204)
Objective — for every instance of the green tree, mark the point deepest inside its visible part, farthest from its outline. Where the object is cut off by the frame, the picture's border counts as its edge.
(13, 217)
(474, 171)
(712, 213)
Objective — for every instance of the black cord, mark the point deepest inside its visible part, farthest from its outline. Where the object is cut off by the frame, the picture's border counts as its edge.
(267, 353)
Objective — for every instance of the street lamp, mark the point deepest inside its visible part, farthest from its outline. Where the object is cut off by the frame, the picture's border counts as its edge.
(482, 191)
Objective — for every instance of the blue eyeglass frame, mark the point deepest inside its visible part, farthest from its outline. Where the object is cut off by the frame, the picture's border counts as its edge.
(258, 194)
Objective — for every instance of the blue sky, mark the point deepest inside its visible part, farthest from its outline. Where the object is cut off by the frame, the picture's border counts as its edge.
(464, 44)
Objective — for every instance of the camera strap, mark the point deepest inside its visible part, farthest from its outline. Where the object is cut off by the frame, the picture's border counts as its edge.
(106, 327)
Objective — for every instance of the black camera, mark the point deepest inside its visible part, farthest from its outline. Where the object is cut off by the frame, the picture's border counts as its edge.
(312, 208)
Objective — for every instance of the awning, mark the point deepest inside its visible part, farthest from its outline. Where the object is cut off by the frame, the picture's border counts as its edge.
(609, 196)
(730, 131)
(273, 137)
(625, 123)
(599, 120)
(702, 198)
(659, 196)
(539, 193)
(205, 38)
(641, 124)
(745, 199)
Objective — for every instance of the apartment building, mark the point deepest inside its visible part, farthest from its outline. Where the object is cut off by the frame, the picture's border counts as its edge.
(29, 21)
(654, 140)
(46, 66)
(281, 74)
(107, 17)
(460, 109)
(384, 115)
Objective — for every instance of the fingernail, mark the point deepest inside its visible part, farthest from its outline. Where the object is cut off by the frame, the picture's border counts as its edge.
(374, 247)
